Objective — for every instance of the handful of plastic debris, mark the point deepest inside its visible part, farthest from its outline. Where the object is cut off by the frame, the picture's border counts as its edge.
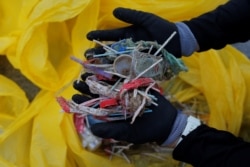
(133, 68)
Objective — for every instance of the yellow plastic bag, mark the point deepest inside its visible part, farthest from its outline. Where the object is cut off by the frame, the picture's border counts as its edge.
(43, 36)
(40, 42)
(220, 77)
(13, 103)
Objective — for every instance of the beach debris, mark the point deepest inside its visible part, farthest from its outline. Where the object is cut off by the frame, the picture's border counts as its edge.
(134, 68)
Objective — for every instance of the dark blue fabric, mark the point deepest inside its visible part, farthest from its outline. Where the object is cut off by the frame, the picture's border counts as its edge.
(228, 24)
(208, 147)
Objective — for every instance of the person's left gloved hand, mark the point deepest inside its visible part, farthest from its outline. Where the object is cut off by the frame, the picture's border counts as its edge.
(155, 126)
(144, 26)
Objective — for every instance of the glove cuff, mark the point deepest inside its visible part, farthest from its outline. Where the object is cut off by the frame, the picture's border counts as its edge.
(178, 127)
(188, 42)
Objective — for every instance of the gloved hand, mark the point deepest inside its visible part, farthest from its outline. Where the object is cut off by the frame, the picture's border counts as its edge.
(82, 87)
(163, 125)
(145, 26)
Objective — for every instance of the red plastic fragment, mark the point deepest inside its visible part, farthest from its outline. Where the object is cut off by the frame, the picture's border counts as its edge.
(134, 84)
(63, 103)
(79, 122)
(108, 103)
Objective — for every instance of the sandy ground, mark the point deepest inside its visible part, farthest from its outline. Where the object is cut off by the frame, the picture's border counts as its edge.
(6, 69)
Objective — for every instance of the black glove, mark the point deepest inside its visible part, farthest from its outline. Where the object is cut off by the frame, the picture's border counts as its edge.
(154, 126)
(82, 87)
(150, 127)
(145, 26)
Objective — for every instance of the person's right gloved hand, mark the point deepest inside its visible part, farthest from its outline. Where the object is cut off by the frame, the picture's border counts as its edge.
(148, 27)
(154, 126)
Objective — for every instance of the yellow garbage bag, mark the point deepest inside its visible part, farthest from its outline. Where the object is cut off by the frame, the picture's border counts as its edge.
(43, 36)
(220, 77)
(40, 39)
(13, 103)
